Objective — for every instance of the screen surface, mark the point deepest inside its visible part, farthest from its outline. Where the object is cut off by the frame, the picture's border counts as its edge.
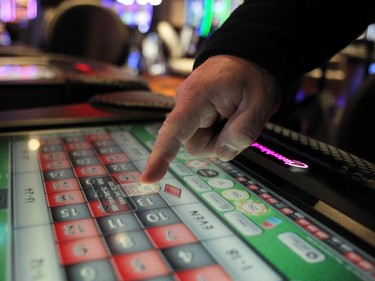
(72, 208)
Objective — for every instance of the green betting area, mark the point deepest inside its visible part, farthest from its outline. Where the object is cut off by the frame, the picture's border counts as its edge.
(295, 244)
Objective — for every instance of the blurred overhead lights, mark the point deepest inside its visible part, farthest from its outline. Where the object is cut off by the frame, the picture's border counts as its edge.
(126, 2)
(155, 2)
(140, 2)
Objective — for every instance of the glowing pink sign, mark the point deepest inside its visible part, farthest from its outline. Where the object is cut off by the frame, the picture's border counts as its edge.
(287, 161)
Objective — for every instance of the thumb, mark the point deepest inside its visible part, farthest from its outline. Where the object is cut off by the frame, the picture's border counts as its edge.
(235, 137)
(243, 127)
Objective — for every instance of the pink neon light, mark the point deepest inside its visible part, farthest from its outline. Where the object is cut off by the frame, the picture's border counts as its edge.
(17, 10)
(287, 161)
(32, 7)
(7, 10)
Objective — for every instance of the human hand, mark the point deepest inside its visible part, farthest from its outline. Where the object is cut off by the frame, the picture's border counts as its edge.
(222, 88)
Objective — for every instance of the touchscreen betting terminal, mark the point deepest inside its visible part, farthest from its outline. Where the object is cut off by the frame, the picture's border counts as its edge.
(72, 208)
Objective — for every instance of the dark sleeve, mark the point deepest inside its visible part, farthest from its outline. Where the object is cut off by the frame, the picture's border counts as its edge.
(289, 37)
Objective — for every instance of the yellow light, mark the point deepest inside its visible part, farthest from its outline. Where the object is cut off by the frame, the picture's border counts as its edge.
(33, 144)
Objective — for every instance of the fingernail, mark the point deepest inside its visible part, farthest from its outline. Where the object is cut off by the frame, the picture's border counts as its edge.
(227, 153)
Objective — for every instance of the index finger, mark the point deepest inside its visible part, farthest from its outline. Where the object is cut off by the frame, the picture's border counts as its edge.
(178, 127)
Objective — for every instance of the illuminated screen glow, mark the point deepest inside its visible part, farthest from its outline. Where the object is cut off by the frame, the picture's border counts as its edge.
(207, 15)
(11, 72)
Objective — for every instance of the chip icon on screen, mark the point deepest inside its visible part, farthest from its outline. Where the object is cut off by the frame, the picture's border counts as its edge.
(136, 189)
(252, 208)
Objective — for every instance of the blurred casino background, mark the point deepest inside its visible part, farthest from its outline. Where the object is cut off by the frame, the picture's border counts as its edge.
(158, 40)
